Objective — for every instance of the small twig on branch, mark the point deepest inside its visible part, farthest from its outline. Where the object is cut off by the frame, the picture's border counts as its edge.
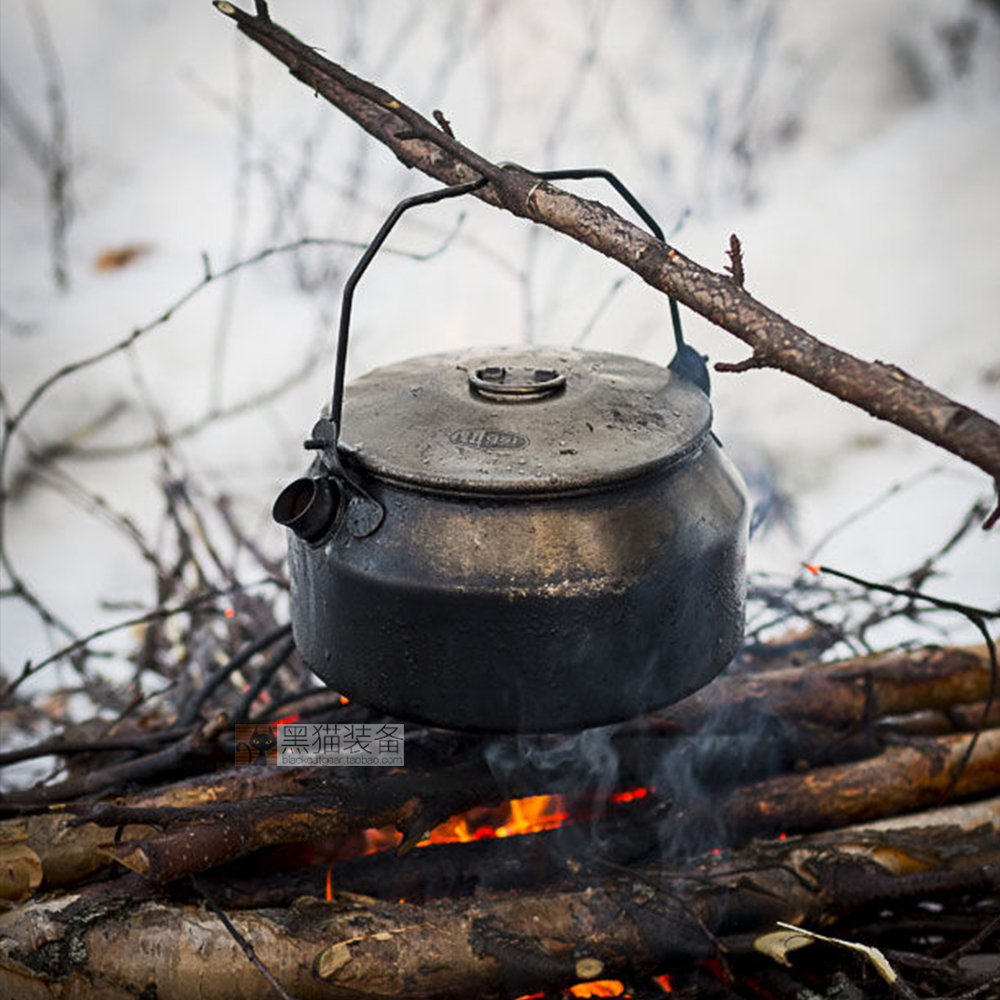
(883, 390)
(59, 746)
(735, 254)
(444, 123)
(49, 152)
(200, 741)
(240, 660)
(267, 672)
(747, 364)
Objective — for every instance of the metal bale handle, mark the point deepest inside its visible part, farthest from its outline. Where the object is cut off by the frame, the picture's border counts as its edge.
(684, 353)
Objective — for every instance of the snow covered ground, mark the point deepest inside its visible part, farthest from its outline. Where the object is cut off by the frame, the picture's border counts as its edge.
(854, 147)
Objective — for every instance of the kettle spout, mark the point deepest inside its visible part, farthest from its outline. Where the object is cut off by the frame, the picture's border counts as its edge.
(309, 507)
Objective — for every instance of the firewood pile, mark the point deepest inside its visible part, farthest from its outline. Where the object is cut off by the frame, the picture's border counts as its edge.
(693, 851)
(805, 826)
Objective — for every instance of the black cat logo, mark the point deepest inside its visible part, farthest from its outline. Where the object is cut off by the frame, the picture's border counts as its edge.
(256, 745)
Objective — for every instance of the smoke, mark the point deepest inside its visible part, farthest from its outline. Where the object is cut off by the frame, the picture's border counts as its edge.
(584, 763)
(697, 771)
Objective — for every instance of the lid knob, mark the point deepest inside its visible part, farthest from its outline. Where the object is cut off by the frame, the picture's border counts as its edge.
(515, 385)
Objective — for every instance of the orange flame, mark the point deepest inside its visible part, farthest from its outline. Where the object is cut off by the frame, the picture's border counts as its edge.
(528, 815)
(814, 568)
(329, 884)
(598, 988)
(344, 700)
(664, 982)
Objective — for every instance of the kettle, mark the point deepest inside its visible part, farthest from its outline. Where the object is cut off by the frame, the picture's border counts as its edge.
(515, 539)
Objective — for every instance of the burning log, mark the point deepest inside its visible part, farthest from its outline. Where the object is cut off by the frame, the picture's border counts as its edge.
(525, 855)
(204, 823)
(901, 779)
(622, 926)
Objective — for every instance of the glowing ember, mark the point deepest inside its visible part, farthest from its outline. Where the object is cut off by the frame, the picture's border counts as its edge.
(344, 700)
(287, 718)
(631, 795)
(715, 966)
(530, 996)
(381, 839)
(598, 988)
(329, 884)
(664, 982)
(814, 568)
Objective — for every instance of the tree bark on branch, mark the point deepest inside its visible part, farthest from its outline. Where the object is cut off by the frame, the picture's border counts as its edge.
(883, 390)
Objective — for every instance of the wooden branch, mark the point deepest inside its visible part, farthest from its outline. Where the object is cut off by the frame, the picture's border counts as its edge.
(197, 746)
(54, 848)
(202, 836)
(882, 390)
(617, 927)
(902, 779)
(847, 693)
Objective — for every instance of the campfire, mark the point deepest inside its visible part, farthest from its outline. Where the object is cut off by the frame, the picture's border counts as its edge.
(849, 806)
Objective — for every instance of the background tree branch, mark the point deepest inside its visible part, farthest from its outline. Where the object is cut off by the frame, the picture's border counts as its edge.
(883, 390)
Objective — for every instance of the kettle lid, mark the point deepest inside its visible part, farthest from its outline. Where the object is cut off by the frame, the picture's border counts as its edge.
(521, 420)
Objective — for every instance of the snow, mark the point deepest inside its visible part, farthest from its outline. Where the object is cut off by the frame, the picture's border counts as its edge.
(843, 142)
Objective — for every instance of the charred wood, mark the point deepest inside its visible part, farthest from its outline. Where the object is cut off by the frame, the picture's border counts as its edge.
(626, 834)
